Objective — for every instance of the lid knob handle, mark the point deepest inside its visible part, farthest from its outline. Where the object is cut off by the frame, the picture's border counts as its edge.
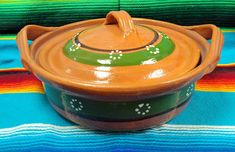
(124, 21)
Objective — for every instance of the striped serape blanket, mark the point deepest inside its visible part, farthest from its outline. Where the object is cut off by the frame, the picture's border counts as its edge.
(28, 123)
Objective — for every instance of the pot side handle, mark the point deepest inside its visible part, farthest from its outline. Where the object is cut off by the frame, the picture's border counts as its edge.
(29, 32)
(213, 33)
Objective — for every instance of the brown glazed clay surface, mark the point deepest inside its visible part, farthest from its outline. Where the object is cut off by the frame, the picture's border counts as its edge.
(182, 67)
(180, 61)
(118, 32)
(147, 68)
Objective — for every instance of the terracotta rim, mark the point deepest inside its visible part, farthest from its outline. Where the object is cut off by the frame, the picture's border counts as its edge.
(208, 63)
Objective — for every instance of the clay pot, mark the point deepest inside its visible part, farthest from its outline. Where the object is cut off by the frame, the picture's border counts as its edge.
(120, 73)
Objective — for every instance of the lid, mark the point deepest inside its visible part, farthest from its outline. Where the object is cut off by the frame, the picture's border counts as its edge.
(118, 42)
(117, 52)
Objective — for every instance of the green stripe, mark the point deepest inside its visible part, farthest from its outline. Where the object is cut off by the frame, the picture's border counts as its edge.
(176, 1)
(60, 5)
(118, 110)
(17, 13)
(30, 2)
(166, 47)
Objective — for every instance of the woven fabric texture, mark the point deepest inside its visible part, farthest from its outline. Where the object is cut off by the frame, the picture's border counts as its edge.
(17, 13)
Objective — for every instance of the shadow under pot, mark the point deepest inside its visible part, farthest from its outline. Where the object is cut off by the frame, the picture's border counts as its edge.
(120, 73)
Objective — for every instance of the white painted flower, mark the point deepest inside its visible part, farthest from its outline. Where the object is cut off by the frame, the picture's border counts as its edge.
(154, 49)
(115, 55)
(189, 90)
(73, 47)
(78, 107)
(143, 108)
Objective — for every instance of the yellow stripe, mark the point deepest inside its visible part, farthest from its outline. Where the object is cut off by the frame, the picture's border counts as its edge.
(227, 30)
(9, 69)
(13, 37)
(226, 65)
(35, 90)
(214, 89)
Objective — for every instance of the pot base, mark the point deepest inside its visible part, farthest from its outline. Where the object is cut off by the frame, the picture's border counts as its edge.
(121, 126)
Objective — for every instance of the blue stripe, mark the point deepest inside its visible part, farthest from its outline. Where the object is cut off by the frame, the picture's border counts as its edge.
(98, 141)
(118, 146)
(163, 131)
(228, 48)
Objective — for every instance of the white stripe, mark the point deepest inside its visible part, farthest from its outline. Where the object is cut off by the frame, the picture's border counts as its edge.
(198, 127)
(39, 125)
(89, 134)
(67, 129)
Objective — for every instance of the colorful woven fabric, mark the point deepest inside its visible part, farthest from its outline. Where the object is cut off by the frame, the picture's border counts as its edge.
(50, 12)
(17, 13)
(185, 12)
(29, 123)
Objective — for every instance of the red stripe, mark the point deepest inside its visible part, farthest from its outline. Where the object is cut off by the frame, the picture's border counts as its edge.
(19, 80)
(221, 79)
(17, 77)
(220, 75)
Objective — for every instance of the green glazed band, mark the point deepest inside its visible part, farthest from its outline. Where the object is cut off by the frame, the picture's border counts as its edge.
(118, 111)
(150, 55)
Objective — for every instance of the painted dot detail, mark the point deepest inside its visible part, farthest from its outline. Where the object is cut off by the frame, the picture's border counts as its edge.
(79, 105)
(189, 90)
(152, 49)
(76, 46)
(143, 109)
(115, 55)
(73, 47)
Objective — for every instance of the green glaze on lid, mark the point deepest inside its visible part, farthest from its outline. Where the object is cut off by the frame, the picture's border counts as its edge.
(150, 54)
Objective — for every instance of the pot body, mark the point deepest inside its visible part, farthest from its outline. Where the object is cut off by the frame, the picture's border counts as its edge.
(118, 115)
(122, 104)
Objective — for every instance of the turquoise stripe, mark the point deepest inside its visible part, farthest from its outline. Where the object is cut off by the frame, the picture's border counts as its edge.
(82, 133)
(163, 142)
(136, 137)
(160, 140)
(126, 143)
